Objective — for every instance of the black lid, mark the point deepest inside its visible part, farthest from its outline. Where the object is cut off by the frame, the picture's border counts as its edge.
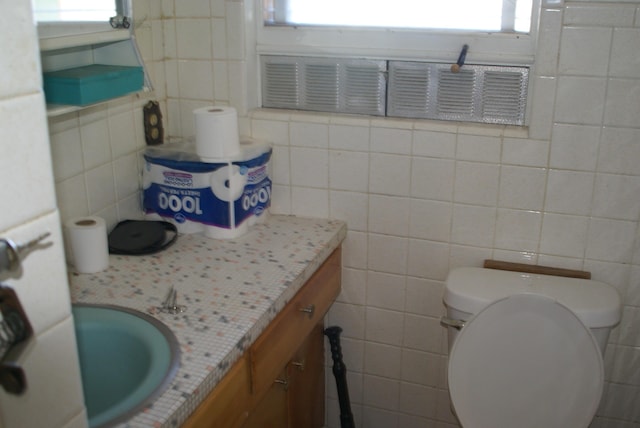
(138, 237)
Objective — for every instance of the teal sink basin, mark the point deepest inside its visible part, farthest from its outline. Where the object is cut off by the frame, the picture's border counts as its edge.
(127, 359)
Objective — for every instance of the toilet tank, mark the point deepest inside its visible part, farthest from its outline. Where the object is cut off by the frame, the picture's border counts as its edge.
(468, 290)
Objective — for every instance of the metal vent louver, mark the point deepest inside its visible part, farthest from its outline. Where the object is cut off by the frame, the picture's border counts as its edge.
(325, 84)
(283, 87)
(477, 93)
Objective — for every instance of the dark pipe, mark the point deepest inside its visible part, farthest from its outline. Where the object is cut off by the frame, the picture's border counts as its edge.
(340, 373)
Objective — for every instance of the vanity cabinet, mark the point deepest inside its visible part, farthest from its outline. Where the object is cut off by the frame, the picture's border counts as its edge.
(279, 380)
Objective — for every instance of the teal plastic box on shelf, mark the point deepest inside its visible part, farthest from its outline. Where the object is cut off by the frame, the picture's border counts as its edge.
(91, 83)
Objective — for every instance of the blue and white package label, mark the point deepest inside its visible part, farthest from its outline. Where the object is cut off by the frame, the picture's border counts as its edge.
(214, 194)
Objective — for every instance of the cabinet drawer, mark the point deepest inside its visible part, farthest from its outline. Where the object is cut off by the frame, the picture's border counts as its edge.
(277, 344)
(229, 403)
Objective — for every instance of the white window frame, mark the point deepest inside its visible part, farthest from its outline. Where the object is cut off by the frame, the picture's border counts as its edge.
(399, 44)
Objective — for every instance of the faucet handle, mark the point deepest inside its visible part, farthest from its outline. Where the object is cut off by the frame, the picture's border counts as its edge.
(11, 253)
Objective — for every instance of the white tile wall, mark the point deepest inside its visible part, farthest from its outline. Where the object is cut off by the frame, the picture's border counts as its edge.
(53, 396)
(420, 197)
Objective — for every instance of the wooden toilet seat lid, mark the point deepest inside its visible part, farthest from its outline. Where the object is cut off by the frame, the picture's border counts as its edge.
(525, 361)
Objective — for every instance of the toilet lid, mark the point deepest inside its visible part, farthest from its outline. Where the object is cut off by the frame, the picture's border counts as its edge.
(525, 361)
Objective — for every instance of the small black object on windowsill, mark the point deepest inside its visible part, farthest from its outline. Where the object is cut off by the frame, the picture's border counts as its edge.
(455, 68)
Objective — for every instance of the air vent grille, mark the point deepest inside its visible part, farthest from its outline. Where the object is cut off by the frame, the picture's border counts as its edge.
(488, 94)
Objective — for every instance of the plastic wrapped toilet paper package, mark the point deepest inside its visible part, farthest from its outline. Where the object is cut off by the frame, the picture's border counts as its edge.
(220, 198)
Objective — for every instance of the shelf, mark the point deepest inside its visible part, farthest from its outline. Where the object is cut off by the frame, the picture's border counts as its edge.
(79, 40)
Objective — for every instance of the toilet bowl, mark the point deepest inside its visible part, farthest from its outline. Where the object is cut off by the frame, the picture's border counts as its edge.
(526, 350)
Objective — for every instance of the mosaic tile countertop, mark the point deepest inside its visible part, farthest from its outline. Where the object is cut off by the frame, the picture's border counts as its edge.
(232, 290)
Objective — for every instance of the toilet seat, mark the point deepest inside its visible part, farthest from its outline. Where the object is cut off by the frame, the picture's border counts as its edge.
(525, 361)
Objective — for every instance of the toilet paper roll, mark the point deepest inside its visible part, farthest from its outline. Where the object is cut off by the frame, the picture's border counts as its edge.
(89, 244)
(217, 132)
(227, 183)
(222, 233)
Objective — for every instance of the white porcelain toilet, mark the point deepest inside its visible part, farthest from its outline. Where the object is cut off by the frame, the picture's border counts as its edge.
(525, 350)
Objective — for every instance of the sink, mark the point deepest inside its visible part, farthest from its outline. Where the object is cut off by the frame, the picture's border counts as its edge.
(127, 359)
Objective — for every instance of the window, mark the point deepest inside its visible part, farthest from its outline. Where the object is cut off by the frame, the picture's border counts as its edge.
(74, 10)
(318, 55)
(487, 15)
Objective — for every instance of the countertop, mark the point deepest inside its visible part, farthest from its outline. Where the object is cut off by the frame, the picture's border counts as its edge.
(232, 290)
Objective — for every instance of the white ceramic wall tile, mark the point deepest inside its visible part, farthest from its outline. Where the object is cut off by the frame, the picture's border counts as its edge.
(235, 25)
(434, 144)
(563, 235)
(422, 333)
(548, 42)
(582, 13)
(309, 135)
(355, 250)
(220, 80)
(350, 317)
(476, 183)
(584, 51)
(101, 190)
(574, 147)
(192, 9)
(21, 69)
(351, 207)
(424, 297)
(309, 202)
(127, 176)
(619, 151)
(53, 377)
(522, 187)
(473, 225)
(275, 132)
(621, 107)
(66, 153)
(349, 170)
(280, 167)
(309, 167)
(432, 178)
(617, 197)
(418, 400)
(478, 148)
(391, 140)
(281, 199)
(72, 197)
(428, 259)
(389, 174)
(382, 360)
(388, 253)
(541, 112)
(525, 152)
(122, 133)
(420, 367)
(580, 100)
(430, 220)
(625, 53)
(383, 326)
(610, 240)
(195, 79)
(518, 230)
(382, 393)
(25, 160)
(95, 143)
(569, 192)
(348, 137)
(389, 215)
(193, 39)
(354, 283)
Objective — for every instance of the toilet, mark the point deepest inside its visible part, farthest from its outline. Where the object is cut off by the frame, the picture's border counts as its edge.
(526, 350)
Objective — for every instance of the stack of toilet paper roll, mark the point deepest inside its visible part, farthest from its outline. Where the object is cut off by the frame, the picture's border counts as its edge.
(217, 135)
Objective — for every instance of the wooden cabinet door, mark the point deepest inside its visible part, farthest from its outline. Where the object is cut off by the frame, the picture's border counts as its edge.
(272, 410)
(306, 382)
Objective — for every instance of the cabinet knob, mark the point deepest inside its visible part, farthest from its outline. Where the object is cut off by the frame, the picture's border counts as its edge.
(309, 309)
(299, 365)
(283, 382)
